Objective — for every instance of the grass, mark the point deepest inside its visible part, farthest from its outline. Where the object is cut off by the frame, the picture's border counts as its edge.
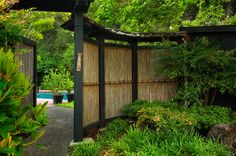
(159, 131)
(122, 139)
(66, 105)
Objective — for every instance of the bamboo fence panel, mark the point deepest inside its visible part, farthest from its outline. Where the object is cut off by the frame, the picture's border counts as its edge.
(25, 54)
(91, 105)
(151, 87)
(91, 84)
(118, 75)
(117, 96)
(90, 65)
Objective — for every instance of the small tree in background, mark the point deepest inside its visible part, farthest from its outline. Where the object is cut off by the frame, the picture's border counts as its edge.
(201, 68)
(58, 81)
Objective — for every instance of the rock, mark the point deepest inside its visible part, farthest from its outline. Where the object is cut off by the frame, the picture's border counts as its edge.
(226, 133)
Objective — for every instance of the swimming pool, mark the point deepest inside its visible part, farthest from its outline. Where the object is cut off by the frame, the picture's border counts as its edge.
(48, 95)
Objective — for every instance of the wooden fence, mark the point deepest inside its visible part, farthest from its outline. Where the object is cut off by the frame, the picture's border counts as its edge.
(25, 52)
(150, 87)
(118, 81)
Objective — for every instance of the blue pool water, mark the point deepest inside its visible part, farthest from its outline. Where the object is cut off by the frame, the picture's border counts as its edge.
(49, 95)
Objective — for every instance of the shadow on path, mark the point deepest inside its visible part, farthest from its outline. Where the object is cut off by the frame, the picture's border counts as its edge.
(59, 133)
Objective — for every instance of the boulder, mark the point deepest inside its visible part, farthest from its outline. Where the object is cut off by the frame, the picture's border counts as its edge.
(226, 133)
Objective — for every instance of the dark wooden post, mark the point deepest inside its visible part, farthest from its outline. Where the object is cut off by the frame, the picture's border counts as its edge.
(35, 77)
(100, 41)
(78, 74)
(134, 70)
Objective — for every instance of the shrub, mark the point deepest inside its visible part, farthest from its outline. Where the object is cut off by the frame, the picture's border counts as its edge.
(209, 116)
(17, 120)
(163, 118)
(132, 109)
(167, 114)
(68, 81)
(200, 64)
(57, 81)
(54, 81)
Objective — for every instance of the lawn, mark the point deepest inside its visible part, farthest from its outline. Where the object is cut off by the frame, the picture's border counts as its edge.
(66, 105)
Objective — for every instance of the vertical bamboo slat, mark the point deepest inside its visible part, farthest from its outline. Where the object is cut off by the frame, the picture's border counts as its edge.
(91, 84)
(90, 63)
(151, 87)
(91, 105)
(118, 89)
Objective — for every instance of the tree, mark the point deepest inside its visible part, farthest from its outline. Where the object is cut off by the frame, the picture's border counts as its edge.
(201, 68)
(161, 15)
(56, 50)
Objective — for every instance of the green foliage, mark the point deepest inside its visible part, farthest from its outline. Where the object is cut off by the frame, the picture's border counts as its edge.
(38, 113)
(68, 82)
(188, 94)
(9, 35)
(9, 32)
(57, 81)
(233, 20)
(44, 28)
(17, 120)
(57, 42)
(103, 141)
(137, 142)
(163, 115)
(163, 118)
(66, 105)
(148, 142)
(160, 15)
(132, 109)
(209, 116)
(112, 133)
(85, 149)
(131, 140)
(201, 68)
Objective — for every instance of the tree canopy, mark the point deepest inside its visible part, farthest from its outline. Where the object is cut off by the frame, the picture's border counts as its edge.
(161, 15)
(55, 45)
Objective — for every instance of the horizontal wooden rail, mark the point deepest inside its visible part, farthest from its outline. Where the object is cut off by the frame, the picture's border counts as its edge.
(156, 81)
(118, 82)
(90, 84)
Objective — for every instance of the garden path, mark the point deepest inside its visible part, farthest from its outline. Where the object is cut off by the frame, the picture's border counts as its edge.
(59, 133)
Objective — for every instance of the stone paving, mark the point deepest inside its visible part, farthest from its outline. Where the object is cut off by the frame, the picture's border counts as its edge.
(59, 133)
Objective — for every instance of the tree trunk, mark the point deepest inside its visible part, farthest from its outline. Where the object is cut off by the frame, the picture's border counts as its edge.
(206, 97)
(213, 96)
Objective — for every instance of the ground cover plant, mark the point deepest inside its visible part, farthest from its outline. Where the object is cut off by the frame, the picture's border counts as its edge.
(18, 120)
(161, 128)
